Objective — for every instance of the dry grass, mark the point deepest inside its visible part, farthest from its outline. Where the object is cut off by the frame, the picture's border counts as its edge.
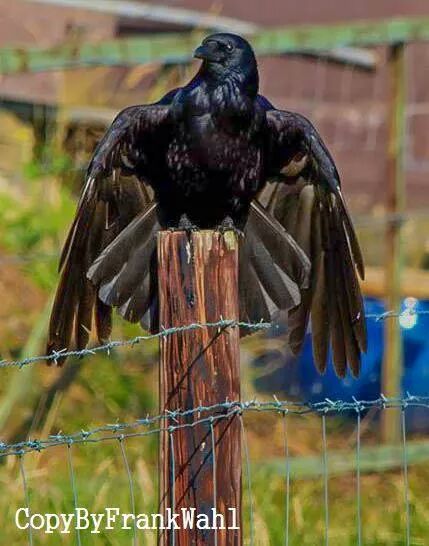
(123, 388)
(104, 388)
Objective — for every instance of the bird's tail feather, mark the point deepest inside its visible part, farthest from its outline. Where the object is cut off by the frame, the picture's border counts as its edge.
(125, 272)
(272, 270)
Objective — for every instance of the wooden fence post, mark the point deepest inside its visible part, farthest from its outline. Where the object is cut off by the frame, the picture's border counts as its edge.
(198, 283)
(395, 194)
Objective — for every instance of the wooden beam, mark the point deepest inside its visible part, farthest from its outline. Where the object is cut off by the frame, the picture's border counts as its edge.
(373, 459)
(358, 34)
(167, 48)
(355, 56)
(164, 48)
(158, 49)
(198, 282)
(395, 194)
(157, 13)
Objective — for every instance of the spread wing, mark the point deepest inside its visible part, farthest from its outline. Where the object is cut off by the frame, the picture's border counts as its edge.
(110, 199)
(305, 196)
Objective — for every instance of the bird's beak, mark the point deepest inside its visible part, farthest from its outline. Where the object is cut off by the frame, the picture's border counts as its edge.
(207, 52)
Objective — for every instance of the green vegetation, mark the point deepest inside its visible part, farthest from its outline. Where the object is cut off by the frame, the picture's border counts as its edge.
(33, 222)
(101, 481)
(35, 211)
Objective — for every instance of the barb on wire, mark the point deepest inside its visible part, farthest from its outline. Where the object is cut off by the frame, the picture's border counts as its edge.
(166, 332)
(396, 314)
(208, 415)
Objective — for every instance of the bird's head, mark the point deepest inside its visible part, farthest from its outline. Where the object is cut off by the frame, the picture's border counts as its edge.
(223, 54)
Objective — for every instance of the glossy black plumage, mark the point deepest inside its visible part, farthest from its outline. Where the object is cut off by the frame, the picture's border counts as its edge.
(215, 153)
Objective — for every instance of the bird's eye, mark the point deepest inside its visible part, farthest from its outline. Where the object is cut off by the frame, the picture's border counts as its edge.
(229, 47)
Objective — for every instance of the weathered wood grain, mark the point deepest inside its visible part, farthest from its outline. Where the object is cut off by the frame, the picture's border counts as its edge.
(198, 282)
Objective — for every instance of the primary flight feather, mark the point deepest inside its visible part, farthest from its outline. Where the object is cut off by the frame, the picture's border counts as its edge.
(216, 154)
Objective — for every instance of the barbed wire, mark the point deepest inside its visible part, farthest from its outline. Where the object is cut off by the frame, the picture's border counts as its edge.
(170, 421)
(396, 314)
(166, 332)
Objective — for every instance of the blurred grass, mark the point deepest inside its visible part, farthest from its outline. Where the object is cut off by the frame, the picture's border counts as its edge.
(35, 211)
(32, 222)
(101, 481)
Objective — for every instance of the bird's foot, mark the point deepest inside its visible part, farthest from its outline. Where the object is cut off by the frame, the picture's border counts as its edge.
(184, 224)
(227, 224)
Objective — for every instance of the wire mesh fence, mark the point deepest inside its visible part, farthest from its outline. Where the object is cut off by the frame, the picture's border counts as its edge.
(325, 465)
(172, 421)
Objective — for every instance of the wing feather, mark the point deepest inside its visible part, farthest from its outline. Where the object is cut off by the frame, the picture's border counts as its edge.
(111, 198)
(305, 197)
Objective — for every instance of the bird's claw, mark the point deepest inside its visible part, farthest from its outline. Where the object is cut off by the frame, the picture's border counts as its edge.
(184, 224)
(227, 224)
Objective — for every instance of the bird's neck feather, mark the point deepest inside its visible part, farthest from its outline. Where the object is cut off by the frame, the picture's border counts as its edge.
(233, 93)
(244, 82)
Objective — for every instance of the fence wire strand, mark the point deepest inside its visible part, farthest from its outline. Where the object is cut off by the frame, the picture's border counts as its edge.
(213, 413)
(26, 496)
(73, 486)
(287, 484)
(358, 476)
(121, 440)
(163, 333)
(249, 480)
(325, 479)
(172, 481)
(214, 477)
(171, 421)
(55, 356)
(405, 473)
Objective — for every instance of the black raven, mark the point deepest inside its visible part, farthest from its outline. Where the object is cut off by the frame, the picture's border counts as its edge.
(216, 154)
